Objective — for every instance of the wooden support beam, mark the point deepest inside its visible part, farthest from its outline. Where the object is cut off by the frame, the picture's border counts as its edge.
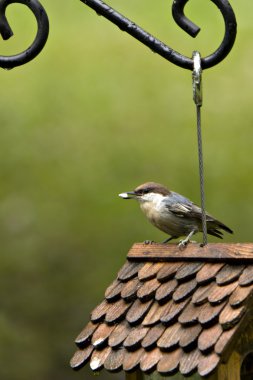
(236, 253)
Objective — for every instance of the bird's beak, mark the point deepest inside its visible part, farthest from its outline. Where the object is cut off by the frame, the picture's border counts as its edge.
(128, 195)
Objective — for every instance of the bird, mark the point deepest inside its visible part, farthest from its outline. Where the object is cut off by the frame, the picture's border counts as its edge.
(173, 213)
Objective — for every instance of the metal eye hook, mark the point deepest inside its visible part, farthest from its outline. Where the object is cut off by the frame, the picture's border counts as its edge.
(178, 13)
(8, 62)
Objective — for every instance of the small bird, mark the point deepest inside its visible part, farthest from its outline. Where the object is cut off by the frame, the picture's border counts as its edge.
(172, 213)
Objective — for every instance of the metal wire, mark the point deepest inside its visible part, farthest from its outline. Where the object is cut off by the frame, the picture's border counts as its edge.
(198, 98)
(201, 175)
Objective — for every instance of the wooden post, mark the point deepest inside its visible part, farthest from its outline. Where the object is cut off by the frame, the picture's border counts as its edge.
(137, 375)
(230, 370)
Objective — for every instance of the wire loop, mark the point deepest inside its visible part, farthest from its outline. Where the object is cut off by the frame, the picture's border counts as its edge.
(8, 62)
(178, 13)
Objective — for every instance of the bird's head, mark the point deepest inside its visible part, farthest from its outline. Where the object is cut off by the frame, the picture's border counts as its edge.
(146, 192)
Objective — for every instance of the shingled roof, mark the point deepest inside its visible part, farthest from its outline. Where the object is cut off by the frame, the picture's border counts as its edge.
(170, 310)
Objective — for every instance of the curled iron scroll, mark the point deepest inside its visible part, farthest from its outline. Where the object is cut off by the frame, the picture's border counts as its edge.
(8, 62)
(178, 13)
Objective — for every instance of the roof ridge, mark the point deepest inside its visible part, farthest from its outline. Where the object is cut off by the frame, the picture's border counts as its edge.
(213, 252)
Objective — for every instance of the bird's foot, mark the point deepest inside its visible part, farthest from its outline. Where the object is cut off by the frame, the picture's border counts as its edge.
(183, 244)
(148, 242)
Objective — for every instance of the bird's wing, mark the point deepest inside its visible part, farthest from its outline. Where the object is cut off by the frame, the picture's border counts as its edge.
(184, 208)
(186, 211)
(179, 209)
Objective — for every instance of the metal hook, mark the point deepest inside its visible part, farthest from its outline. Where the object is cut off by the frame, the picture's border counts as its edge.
(178, 13)
(8, 62)
(192, 29)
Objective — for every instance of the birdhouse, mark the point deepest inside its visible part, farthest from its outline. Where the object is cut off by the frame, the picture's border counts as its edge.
(173, 313)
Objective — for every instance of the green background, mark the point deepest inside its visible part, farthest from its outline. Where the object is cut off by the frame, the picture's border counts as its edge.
(96, 114)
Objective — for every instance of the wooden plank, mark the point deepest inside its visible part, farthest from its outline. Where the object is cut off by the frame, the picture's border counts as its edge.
(168, 271)
(85, 335)
(201, 294)
(184, 290)
(218, 294)
(240, 295)
(221, 252)
(154, 314)
(138, 311)
(229, 274)
(129, 291)
(229, 317)
(208, 314)
(208, 273)
(164, 293)
(135, 337)
(112, 293)
(81, 357)
(147, 291)
(188, 271)
(189, 315)
(114, 360)
(98, 358)
(101, 334)
(189, 362)
(172, 311)
(117, 311)
(150, 359)
(129, 271)
(209, 337)
(169, 363)
(152, 336)
(149, 271)
(246, 277)
(170, 338)
(119, 334)
(132, 359)
(189, 336)
(100, 311)
(208, 364)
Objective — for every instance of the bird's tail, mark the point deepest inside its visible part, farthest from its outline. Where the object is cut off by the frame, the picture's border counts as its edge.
(215, 232)
(215, 227)
(224, 227)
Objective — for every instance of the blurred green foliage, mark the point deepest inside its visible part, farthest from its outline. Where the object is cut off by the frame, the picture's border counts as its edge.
(96, 114)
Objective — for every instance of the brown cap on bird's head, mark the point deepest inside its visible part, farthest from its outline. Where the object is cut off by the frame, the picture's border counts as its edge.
(145, 188)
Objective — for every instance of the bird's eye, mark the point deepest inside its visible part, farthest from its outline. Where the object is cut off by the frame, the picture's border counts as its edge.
(145, 191)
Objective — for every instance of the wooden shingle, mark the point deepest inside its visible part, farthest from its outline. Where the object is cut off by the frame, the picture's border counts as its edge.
(170, 310)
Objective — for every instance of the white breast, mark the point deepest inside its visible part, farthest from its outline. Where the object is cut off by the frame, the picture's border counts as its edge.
(153, 206)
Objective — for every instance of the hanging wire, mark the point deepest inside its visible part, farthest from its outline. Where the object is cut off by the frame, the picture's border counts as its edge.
(198, 99)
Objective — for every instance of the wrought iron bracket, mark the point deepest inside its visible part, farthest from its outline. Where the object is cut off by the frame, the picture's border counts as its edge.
(128, 26)
(178, 13)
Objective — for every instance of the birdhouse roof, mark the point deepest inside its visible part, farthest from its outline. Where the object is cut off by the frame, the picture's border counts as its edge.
(170, 310)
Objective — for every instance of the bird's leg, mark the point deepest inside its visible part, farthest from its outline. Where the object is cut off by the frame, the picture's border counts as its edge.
(167, 240)
(184, 243)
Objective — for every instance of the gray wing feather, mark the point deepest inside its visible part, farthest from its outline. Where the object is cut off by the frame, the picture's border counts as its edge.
(184, 208)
